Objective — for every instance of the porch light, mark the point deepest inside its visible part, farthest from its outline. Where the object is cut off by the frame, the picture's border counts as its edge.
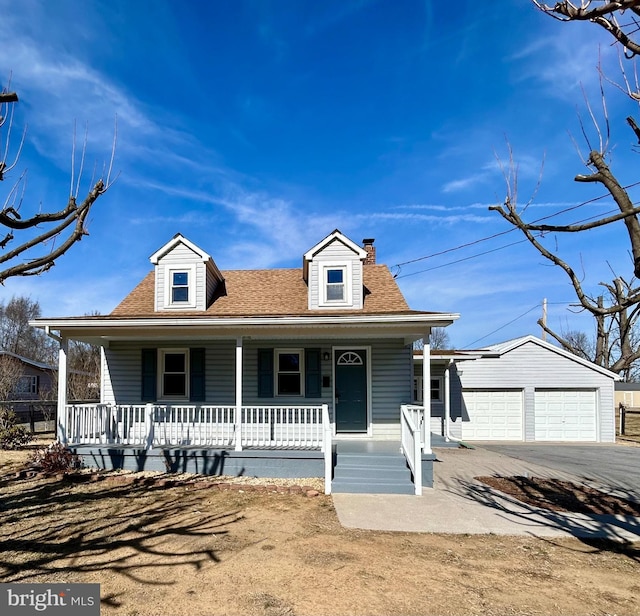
(326, 356)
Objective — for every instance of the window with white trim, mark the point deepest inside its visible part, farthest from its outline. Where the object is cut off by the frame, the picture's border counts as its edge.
(180, 287)
(289, 372)
(173, 373)
(335, 280)
(437, 386)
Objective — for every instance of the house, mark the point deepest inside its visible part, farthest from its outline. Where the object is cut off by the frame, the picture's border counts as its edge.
(27, 385)
(627, 394)
(252, 371)
(520, 390)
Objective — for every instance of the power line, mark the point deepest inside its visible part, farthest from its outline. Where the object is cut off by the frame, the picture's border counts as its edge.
(537, 220)
(486, 252)
(503, 326)
(522, 315)
(479, 254)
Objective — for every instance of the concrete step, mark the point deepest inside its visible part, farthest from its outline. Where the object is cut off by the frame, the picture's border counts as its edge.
(370, 460)
(357, 487)
(363, 473)
(368, 472)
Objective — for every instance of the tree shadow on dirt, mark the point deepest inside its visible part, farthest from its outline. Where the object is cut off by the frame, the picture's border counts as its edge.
(603, 533)
(51, 528)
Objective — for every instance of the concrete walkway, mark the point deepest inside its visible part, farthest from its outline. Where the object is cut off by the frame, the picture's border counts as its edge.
(458, 504)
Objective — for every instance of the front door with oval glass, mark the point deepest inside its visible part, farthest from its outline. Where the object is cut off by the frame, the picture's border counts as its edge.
(351, 391)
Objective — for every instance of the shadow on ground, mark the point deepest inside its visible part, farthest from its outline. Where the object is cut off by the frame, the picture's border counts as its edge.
(52, 528)
(619, 534)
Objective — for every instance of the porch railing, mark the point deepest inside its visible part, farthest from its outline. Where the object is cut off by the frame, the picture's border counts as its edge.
(301, 427)
(411, 420)
(148, 425)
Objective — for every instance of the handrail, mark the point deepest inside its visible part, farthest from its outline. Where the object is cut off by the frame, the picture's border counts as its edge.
(327, 448)
(412, 443)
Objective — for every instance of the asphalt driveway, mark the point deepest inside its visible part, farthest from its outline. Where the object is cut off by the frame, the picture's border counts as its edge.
(615, 466)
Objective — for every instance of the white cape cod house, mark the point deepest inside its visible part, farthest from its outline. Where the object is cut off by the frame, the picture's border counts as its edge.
(252, 371)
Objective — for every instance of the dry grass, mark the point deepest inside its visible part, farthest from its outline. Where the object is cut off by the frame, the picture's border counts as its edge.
(162, 551)
(632, 427)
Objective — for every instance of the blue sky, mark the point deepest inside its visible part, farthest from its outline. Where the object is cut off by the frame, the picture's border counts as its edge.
(256, 128)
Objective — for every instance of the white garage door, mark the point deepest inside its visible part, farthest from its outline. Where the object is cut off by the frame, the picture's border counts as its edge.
(492, 415)
(565, 415)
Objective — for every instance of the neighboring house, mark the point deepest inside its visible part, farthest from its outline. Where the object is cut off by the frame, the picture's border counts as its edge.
(521, 390)
(627, 394)
(29, 381)
(257, 366)
(33, 380)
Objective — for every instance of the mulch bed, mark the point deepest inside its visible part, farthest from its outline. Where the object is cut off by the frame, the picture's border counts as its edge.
(558, 495)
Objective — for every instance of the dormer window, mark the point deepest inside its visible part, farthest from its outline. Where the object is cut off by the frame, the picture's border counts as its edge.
(180, 287)
(180, 290)
(336, 285)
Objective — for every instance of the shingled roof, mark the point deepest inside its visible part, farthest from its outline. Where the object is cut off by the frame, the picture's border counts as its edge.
(273, 292)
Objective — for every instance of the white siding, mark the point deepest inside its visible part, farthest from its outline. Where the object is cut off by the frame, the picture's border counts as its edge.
(530, 367)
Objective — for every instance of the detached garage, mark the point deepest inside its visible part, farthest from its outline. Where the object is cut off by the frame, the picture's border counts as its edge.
(529, 390)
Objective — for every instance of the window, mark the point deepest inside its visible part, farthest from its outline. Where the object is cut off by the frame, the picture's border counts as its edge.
(335, 280)
(179, 287)
(335, 285)
(289, 372)
(173, 374)
(179, 292)
(436, 389)
(27, 385)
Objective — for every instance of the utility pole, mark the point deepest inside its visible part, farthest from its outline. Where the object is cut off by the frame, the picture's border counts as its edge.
(544, 318)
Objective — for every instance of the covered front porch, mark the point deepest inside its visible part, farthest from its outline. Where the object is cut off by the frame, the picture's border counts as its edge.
(264, 402)
(261, 441)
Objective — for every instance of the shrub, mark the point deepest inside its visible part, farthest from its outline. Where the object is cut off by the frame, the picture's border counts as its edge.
(56, 459)
(12, 435)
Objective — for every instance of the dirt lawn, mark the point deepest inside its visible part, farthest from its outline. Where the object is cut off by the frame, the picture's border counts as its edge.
(160, 550)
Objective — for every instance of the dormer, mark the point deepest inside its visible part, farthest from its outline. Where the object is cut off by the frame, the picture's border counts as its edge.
(186, 277)
(332, 270)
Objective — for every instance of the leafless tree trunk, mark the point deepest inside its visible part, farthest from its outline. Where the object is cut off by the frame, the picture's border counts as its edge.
(616, 312)
(44, 236)
(10, 372)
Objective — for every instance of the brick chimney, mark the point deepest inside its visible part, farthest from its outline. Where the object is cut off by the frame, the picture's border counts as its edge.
(370, 250)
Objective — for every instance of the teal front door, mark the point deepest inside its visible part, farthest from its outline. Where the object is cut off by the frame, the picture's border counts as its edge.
(351, 391)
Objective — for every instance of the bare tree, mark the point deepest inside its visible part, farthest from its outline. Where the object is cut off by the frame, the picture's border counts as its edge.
(10, 373)
(84, 371)
(581, 343)
(17, 336)
(616, 309)
(439, 340)
(44, 236)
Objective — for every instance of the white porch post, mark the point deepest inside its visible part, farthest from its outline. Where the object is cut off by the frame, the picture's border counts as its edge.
(447, 399)
(238, 422)
(63, 436)
(426, 391)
